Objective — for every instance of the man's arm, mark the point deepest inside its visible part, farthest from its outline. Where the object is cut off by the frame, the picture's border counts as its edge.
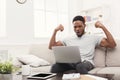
(53, 41)
(109, 40)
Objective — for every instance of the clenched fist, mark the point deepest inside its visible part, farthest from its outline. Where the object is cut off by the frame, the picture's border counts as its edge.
(59, 28)
(98, 24)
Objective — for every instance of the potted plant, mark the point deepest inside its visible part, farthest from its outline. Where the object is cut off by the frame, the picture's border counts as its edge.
(6, 69)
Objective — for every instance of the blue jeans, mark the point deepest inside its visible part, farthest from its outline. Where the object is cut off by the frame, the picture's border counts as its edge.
(80, 67)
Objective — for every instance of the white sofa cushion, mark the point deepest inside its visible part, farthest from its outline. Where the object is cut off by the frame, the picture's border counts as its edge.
(95, 70)
(45, 69)
(33, 60)
(109, 70)
(113, 56)
(16, 62)
(99, 58)
(42, 51)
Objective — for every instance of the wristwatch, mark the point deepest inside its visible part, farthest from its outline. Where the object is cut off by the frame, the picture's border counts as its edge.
(21, 1)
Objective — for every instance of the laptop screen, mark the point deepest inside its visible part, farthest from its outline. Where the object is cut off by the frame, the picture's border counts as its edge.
(66, 54)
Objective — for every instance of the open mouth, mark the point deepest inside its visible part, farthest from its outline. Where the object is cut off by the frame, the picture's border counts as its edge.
(77, 32)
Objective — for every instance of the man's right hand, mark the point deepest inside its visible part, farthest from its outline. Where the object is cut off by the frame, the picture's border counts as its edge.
(59, 28)
(53, 41)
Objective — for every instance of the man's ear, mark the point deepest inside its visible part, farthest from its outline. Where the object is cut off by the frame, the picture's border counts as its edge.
(84, 24)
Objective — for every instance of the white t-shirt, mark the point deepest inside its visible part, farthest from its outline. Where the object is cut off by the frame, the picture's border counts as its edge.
(87, 43)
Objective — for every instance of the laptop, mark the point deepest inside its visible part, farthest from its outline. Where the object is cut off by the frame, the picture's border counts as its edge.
(66, 54)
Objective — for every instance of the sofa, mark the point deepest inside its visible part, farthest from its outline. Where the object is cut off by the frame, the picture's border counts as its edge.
(107, 61)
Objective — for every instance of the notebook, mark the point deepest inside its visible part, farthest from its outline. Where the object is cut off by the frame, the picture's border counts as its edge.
(66, 54)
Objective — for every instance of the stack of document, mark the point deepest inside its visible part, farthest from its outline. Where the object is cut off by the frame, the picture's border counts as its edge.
(71, 76)
(77, 76)
(96, 77)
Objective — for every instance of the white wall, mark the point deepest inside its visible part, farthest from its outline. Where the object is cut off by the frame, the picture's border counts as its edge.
(19, 22)
(74, 8)
(114, 18)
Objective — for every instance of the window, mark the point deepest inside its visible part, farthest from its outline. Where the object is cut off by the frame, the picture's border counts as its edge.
(2, 18)
(48, 14)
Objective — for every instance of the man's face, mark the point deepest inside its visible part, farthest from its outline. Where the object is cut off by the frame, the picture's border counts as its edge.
(79, 27)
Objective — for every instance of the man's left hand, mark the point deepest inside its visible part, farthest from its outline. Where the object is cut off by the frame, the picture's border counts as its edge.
(98, 24)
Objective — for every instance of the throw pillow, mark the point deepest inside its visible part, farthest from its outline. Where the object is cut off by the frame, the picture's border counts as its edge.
(33, 60)
(16, 62)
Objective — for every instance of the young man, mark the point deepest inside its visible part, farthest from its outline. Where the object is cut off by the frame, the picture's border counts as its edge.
(86, 42)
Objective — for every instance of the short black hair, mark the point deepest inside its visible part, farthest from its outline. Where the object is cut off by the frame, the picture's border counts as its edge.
(80, 18)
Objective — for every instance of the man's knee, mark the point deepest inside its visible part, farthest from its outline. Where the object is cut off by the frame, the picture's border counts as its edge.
(81, 68)
(53, 71)
(57, 68)
(54, 68)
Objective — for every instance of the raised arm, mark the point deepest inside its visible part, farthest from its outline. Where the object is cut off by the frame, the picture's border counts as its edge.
(53, 41)
(109, 40)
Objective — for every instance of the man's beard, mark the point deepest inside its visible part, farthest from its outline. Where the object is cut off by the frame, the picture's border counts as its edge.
(79, 35)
